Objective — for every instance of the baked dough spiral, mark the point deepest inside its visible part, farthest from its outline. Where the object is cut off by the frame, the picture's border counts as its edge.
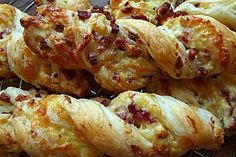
(111, 50)
(135, 124)
(33, 69)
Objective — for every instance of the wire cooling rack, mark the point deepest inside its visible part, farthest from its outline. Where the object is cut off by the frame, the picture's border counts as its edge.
(228, 149)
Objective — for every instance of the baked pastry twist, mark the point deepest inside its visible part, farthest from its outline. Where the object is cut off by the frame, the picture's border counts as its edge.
(32, 68)
(216, 95)
(66, 4)
(112, 52)
(89, 41)
(135, 124)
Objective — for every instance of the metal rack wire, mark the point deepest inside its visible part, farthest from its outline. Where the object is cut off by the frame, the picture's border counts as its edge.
(228, 149)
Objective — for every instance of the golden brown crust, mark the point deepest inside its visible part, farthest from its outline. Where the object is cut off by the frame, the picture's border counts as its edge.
(82, 126)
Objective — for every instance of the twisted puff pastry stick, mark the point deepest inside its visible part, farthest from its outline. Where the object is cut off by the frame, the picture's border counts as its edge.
(150, 125)
(32, 68)
(181, 47)
(216, 95)
(112, 53)
(7, 20)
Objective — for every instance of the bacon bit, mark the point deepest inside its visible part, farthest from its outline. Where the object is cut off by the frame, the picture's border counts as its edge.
(192, 122)
(227, 97)
(67, 99)
(69, 74)
(127, 9)
(105, 102)
(116, 77)
(184, 38)
(21, 97)
(84, 42)
(141, 115)
(141, 17)
(212, 120)
(178, 2)
(83, 15)
(108, 16)
(164, 8)
(179, 13)
(134, 51)
(136, 150)
(162, 134)
(179, 63)
(152, 120)
(120, 44)
(202, 72)
(192, 54)
(59, 27)
(43, 45)
(133, 36)
(114, 28)
(2, 34)
(31, 102)
(5, 98)
(131, 108)
(92, 57)
(122, 115)
(164, 12)
(97, 9)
